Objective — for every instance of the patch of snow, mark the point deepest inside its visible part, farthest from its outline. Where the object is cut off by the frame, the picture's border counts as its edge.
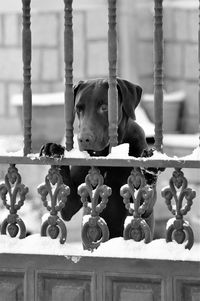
(33, 156)
(195, 155)
(119, 152)
(116, 247)
(19, 153)
(11, 145)
(158, 156)
(128, 218)
(85, 219)
(76, 153)
(157, 249)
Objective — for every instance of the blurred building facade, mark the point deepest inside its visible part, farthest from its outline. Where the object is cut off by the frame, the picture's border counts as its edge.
(135, 27)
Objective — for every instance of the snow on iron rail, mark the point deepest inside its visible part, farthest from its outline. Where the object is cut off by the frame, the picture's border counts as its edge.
(118, 157)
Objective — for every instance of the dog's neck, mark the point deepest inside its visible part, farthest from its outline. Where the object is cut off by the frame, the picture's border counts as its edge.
(102, 153)
(121, 128)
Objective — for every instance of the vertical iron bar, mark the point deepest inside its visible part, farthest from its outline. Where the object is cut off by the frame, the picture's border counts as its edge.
(112, 58)
(27, 93)
(158, 73)
(68, 56)
(199, 68)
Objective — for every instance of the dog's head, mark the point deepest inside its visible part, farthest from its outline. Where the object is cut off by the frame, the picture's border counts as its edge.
(91, 106)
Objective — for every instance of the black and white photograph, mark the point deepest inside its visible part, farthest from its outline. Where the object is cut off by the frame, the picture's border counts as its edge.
(99, 150)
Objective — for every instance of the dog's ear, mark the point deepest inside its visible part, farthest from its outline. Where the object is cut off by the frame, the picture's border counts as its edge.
(78, 87)
(130, 96)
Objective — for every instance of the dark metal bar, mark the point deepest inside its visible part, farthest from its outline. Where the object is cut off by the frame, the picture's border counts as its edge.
(112, 58)
(27, 93)
(95, 161)
(68, 56)
(158, 73)
(199, 67)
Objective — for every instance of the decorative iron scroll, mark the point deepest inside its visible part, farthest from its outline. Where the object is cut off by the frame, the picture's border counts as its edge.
(58, 192)
(68, 56)
(27, 93)
(144, 197)
(158, 73)
(17, 194)
(178, 229)
(112, 58)
(95, 229)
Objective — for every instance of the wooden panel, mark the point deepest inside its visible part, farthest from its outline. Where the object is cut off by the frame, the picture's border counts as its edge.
(7, 292)
(132, 288)
(136, 295)
(195, 296)
(65, 286)
(187, 289)
(60, 293)
(44, 277)
(11, 287)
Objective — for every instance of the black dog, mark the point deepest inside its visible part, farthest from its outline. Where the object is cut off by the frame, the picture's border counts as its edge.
(91, 105)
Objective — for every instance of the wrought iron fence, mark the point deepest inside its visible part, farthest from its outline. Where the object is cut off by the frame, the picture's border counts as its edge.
(54, 192)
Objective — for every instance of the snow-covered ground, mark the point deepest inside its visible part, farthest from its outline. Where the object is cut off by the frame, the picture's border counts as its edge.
(117, 247)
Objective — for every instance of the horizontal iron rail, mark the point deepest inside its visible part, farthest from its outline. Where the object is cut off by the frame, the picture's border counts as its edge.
(100, 161)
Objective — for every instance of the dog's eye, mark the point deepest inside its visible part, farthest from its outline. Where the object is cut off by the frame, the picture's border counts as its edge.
(79, 108)
(103, 108)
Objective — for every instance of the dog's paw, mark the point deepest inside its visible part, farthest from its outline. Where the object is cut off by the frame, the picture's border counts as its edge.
(147, 153)
(52, 150)
(151, 173)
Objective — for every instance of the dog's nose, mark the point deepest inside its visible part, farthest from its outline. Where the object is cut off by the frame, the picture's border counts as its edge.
(86, 141)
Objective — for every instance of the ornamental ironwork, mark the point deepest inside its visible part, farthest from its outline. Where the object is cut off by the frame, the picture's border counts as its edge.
(177, 228)
(95, 229)
(143, 198)
(58, 193)
(13, 194)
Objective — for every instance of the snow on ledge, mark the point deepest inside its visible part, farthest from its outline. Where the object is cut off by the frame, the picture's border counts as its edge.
(117, 247)
(117, 152)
